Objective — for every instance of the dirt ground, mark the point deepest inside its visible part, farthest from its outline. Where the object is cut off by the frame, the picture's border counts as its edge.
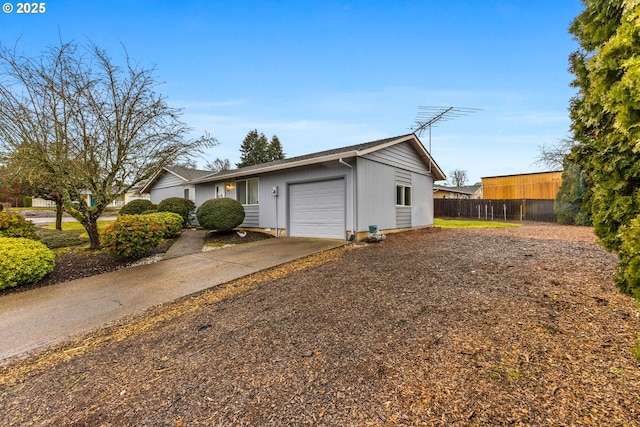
(435, 327)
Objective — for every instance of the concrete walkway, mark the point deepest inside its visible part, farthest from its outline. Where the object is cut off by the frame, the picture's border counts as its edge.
(41, 317)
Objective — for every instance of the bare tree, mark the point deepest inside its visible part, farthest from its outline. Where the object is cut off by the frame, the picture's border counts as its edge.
(219, 165)
(458, 178)
(87, 124)
(552, 156)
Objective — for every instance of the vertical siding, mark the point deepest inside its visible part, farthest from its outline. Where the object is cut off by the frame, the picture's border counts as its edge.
(278, 206)
(376, 195)
(544, 185)
(272, 211)
(204, 192)
(422, 193)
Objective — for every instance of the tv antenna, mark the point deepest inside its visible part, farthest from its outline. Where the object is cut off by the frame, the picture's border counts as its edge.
(430, 116)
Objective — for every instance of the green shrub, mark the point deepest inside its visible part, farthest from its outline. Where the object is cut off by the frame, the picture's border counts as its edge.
(222, 214)
(23, 261)
(628, 274)
(132, 236)
(27, 201)
(171, 223)
(14, 225)
(135, 207)
(183, 207)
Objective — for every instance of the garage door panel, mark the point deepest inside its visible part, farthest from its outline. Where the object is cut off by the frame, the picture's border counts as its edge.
(317, 209)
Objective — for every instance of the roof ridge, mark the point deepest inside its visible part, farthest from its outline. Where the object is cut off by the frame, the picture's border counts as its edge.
(356, 147)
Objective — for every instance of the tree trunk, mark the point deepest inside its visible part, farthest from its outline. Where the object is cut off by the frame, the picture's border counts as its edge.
(59, 208)
(94, 235)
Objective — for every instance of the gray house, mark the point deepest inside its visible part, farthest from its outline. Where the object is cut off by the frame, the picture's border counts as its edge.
(173, 181)
(336, 193)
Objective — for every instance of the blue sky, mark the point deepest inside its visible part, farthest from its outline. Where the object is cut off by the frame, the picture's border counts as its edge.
(326, 74)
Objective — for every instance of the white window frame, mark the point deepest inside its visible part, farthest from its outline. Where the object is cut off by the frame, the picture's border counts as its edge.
(404, 191)
(246, 183)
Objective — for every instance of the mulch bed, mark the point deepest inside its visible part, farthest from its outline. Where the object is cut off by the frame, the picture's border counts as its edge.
(519, 326)
(81, 262)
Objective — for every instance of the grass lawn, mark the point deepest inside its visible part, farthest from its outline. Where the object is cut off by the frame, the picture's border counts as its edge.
(72, 234)
(76, 226)
(458, 223)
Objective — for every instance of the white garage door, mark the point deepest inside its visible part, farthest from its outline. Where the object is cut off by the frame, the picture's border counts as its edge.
(317, 209)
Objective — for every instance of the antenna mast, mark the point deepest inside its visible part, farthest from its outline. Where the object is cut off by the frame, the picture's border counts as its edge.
(429, 116)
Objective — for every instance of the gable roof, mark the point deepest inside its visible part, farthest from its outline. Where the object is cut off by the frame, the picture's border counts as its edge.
(185, 174)
(329, 155)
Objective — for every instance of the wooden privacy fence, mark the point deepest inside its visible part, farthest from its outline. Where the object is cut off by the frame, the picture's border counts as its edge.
(514, 210)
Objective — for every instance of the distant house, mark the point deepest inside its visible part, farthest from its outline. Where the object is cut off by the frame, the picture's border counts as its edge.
(540, 185)
(335, 193)
(133, 194)
(463, 192)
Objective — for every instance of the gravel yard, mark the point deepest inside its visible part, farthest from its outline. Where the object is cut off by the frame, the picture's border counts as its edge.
(517, 326)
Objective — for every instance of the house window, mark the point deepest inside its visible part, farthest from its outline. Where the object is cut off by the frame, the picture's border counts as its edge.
(403, 195)
(247, 191)
(186, 193)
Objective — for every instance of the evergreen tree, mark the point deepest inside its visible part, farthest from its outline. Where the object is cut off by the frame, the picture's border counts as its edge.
(569, 206)
(255, 149)
(605, 118)
(275, 151)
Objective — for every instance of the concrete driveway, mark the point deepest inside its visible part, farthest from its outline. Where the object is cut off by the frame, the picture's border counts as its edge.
(41, 317)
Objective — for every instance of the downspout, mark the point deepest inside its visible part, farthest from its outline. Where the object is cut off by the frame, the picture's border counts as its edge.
(355, 198)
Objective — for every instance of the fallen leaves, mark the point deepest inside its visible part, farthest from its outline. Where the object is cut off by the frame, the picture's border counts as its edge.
(396, 333)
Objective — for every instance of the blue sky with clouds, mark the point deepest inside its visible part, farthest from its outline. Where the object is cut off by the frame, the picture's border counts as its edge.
(325, 74)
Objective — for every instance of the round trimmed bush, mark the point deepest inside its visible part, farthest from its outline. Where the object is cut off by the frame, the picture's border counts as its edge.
(171, 223)
(135, 207)
(132, 236)
(222, 214)
(23, 261)
(183, 207)
(14, 225)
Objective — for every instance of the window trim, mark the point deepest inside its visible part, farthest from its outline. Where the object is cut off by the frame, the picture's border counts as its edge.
(246, 182)
(405, 190)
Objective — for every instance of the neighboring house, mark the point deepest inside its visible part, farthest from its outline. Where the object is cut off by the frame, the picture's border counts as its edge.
(173, 181)
(133, 194)
(336, 193)
(463, 192)
(540, 186)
